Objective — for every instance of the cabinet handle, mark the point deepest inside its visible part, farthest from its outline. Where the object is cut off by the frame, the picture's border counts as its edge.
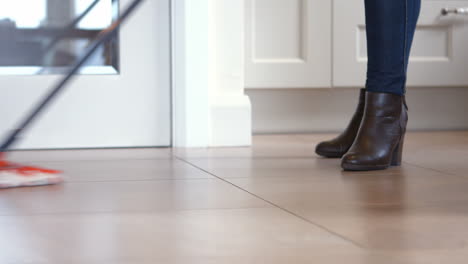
(456, 11)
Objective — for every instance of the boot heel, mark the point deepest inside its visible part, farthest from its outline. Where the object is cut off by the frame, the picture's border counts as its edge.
(398, 153)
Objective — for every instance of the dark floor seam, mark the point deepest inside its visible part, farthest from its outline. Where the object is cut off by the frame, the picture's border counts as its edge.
(279, 207)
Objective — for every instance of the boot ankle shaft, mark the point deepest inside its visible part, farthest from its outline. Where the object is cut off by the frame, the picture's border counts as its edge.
(383, 104)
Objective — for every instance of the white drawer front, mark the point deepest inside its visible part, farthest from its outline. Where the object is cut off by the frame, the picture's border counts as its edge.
(440, 51)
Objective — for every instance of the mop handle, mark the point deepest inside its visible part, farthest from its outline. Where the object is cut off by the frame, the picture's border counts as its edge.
(105, 35)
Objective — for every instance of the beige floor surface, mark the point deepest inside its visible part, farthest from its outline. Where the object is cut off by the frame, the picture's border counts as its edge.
(274, 202)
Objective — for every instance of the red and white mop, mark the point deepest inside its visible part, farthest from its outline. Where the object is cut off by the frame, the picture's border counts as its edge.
(17, 175)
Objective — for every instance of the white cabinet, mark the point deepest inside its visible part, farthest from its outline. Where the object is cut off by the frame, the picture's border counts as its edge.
(322, 43)
(288, 43)
(439, 55)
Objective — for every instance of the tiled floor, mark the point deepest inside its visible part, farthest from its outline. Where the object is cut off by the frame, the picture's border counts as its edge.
(276, 202)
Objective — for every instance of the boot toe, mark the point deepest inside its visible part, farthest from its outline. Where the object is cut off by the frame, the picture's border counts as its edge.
(360, 162)
(329, 149)
(350, 158)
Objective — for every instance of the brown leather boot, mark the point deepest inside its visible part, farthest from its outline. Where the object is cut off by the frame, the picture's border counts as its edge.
(379, 142)
(338, 146)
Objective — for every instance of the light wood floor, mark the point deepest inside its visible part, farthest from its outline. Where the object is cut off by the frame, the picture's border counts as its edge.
(276, 202)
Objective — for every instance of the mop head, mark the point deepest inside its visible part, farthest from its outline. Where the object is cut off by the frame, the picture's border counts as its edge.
(17, 175)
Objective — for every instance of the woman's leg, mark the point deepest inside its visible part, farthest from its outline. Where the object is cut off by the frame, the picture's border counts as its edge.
(390, 29)
(379, 142)
(390, 26)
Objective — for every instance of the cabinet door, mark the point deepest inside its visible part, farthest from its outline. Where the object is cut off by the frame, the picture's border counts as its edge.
(288, 43)
(439, 55)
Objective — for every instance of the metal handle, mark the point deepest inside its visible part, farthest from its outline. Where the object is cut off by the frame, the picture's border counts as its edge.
(456, 11)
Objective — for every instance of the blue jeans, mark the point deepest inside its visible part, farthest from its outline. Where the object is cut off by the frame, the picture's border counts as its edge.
(390, 26)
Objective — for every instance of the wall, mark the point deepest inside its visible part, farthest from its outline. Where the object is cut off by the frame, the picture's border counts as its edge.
(329, 110)
(210, 108)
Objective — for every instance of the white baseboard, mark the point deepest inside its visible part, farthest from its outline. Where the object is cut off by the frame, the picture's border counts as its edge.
(231, 122)
(329, 109)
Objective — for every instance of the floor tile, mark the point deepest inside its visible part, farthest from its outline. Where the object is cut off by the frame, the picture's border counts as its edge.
(266, 167)
(89, 154)
(128, 170)
(418, 209)
(412, 186)
(263, 146)
(210, 236)
(396, 228)
(443, 151)
(126, 196)
(431, 256)
(272, 167)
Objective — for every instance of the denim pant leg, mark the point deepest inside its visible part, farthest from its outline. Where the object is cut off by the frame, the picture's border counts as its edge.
(390, 26)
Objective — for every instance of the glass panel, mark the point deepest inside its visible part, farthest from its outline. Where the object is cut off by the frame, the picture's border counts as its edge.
(47, 36)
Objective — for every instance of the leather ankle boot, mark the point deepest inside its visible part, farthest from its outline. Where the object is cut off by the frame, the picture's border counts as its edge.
(379, 142)
(338, 146)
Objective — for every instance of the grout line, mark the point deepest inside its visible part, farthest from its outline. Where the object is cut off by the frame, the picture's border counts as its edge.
(138, 180)
(432, 169)
(97, 160)
(251, 157)
(279, 207)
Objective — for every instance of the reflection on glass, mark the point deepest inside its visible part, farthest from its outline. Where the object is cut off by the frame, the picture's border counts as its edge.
(47, 36)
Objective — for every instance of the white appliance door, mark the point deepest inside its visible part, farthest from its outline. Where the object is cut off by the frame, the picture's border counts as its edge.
(127, 109)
